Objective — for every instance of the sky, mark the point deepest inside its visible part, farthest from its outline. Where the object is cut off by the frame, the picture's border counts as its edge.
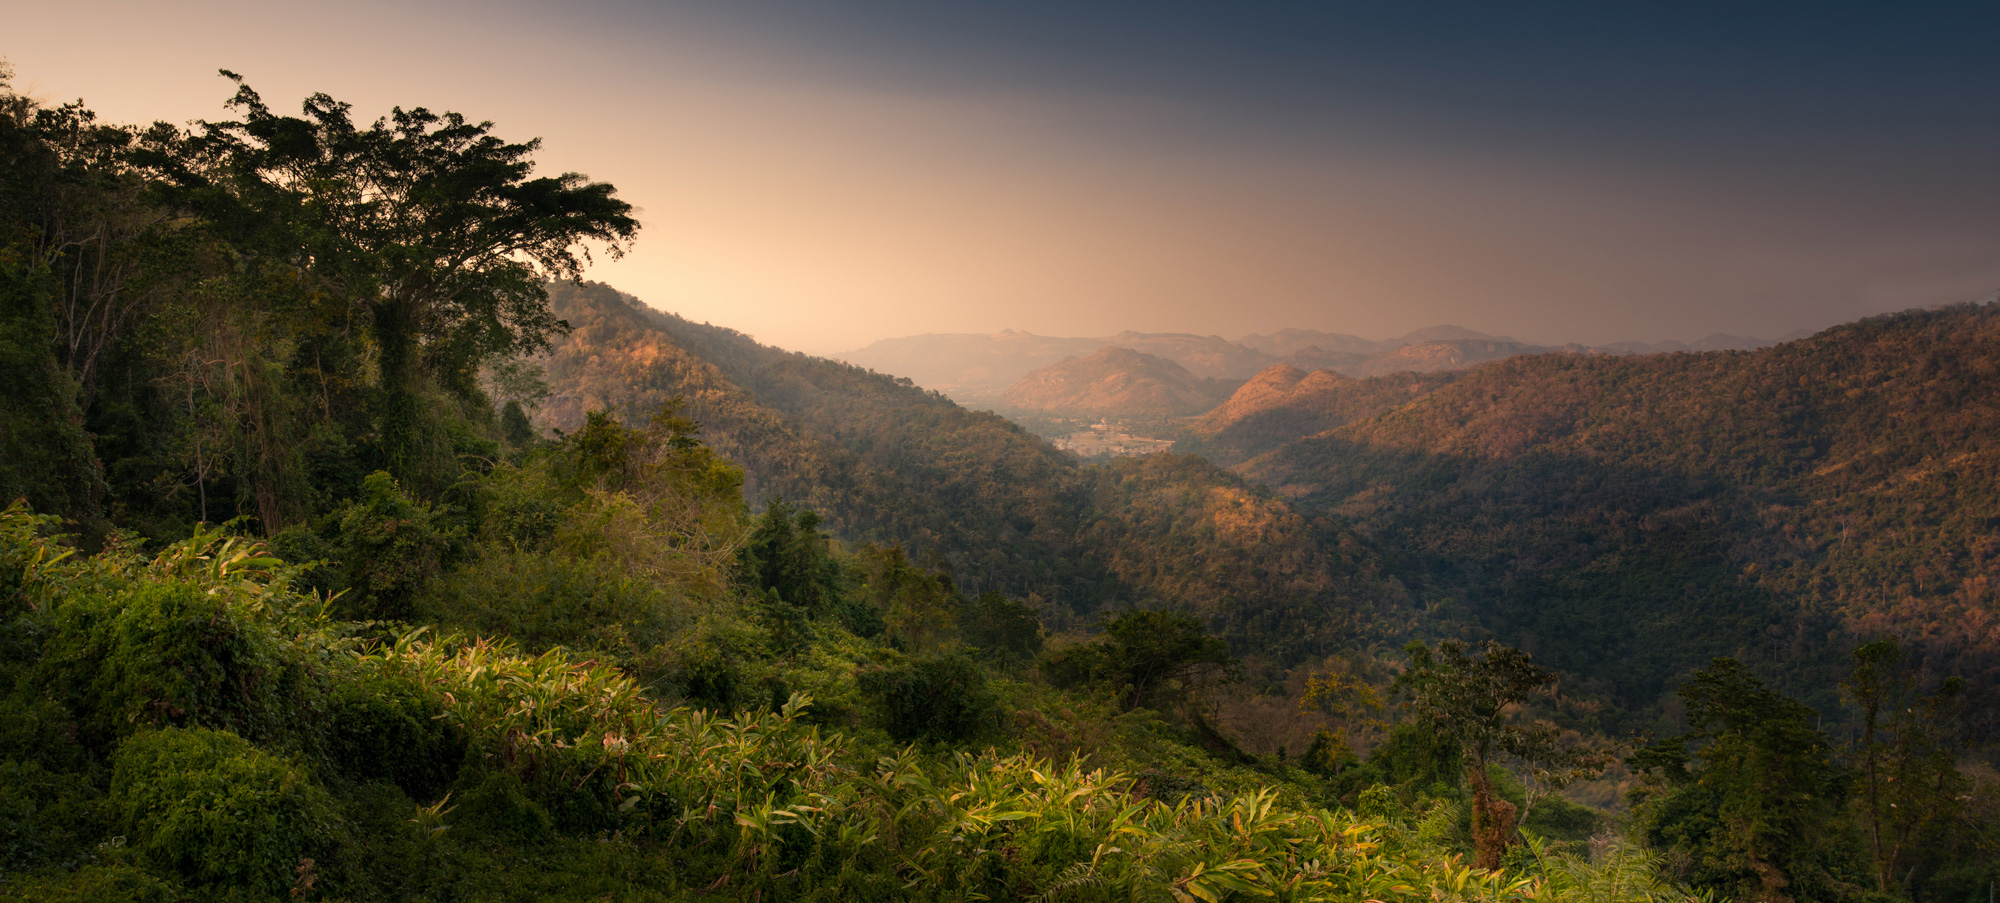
(822, 175)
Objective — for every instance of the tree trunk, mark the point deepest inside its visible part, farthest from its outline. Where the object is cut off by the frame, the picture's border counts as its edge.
(1492, 820)
(396, 341)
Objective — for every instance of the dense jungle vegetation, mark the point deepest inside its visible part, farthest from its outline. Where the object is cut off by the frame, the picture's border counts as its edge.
(356, 550)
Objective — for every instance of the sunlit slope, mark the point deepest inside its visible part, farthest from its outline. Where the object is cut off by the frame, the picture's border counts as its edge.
(885, 461)
(1285, 403)
(1626, 517)
(1112, 382)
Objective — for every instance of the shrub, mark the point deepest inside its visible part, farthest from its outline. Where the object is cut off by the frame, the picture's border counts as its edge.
(858, 617)
(498, 806)
(1557, 818)
(39, 730)
(222, 814)
(389, 547)
(45, 817)
(544, 601)
(708, 679)
(383, 728)
(944, 699)
(97, 884)
(172, 654)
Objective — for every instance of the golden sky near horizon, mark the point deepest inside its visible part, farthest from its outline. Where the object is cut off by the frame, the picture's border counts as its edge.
(784, 196)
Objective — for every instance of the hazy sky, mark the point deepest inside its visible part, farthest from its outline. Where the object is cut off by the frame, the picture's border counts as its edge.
(824, 174)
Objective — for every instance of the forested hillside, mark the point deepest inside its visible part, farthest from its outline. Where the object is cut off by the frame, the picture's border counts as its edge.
(1002, 509)
(1285, 403)
(1629, 517)
(1114, 382)
(298, 603)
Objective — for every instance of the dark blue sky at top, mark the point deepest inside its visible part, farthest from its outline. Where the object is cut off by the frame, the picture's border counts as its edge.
(1902, 97)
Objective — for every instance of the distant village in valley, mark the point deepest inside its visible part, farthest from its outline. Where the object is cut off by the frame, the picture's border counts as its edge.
(1106, 439)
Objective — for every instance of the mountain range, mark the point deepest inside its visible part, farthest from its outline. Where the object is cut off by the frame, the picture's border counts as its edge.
(888, 462)
(1628, 515)
(1624, 516)
(978, 369)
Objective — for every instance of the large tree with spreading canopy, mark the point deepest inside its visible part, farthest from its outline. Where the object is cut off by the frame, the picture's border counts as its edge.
(433, 230)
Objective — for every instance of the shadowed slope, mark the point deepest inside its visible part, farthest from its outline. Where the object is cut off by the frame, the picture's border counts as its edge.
(885, 461)
(1627, 515)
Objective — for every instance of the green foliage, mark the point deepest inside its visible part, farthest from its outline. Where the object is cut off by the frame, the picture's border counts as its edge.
(515, 427)
(1327, 755)
(558, 774)
(380, 728)
(656, 502)
(46, 817)
(1909, 789)
(942, 699)
(1414, 756)
(918, 606)
(788, 555)
(499, 807)
(788, 626)
(44, 454)
(1757, 816)
(446, 249)
(1473, 700)
(1156, 659)
(226, 817)
(544, 600)
(169, 653)
(707, 667)
(1001, 628)
(1561, 820)
(389, 546)
(97, 883)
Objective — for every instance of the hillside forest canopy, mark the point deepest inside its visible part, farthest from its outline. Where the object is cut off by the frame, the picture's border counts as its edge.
(353, 547)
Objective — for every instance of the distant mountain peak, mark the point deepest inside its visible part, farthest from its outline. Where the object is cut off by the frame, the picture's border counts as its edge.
(1111, 381)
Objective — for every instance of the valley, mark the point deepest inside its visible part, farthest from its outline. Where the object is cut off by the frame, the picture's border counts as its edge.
(355, 545)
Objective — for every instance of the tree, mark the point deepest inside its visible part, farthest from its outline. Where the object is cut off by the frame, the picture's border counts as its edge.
(430, 226)
(1474, 701)
(1157, 659)
(60, 205)
(389, 547)
(940, 699)
(915, 605)
(1911, 788)
(1351, 705)
(787, 554)
(1751, 807)
(1001, 628)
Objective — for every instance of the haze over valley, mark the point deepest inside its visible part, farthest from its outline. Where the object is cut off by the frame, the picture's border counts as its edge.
(428, 471)
(1138, 393)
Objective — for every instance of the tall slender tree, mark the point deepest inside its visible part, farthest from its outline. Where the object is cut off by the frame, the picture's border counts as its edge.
(1475, 700)
(1907, 762)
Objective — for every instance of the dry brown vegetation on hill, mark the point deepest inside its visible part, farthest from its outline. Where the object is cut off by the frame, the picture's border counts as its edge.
(1112, 382)
(1631, 515)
